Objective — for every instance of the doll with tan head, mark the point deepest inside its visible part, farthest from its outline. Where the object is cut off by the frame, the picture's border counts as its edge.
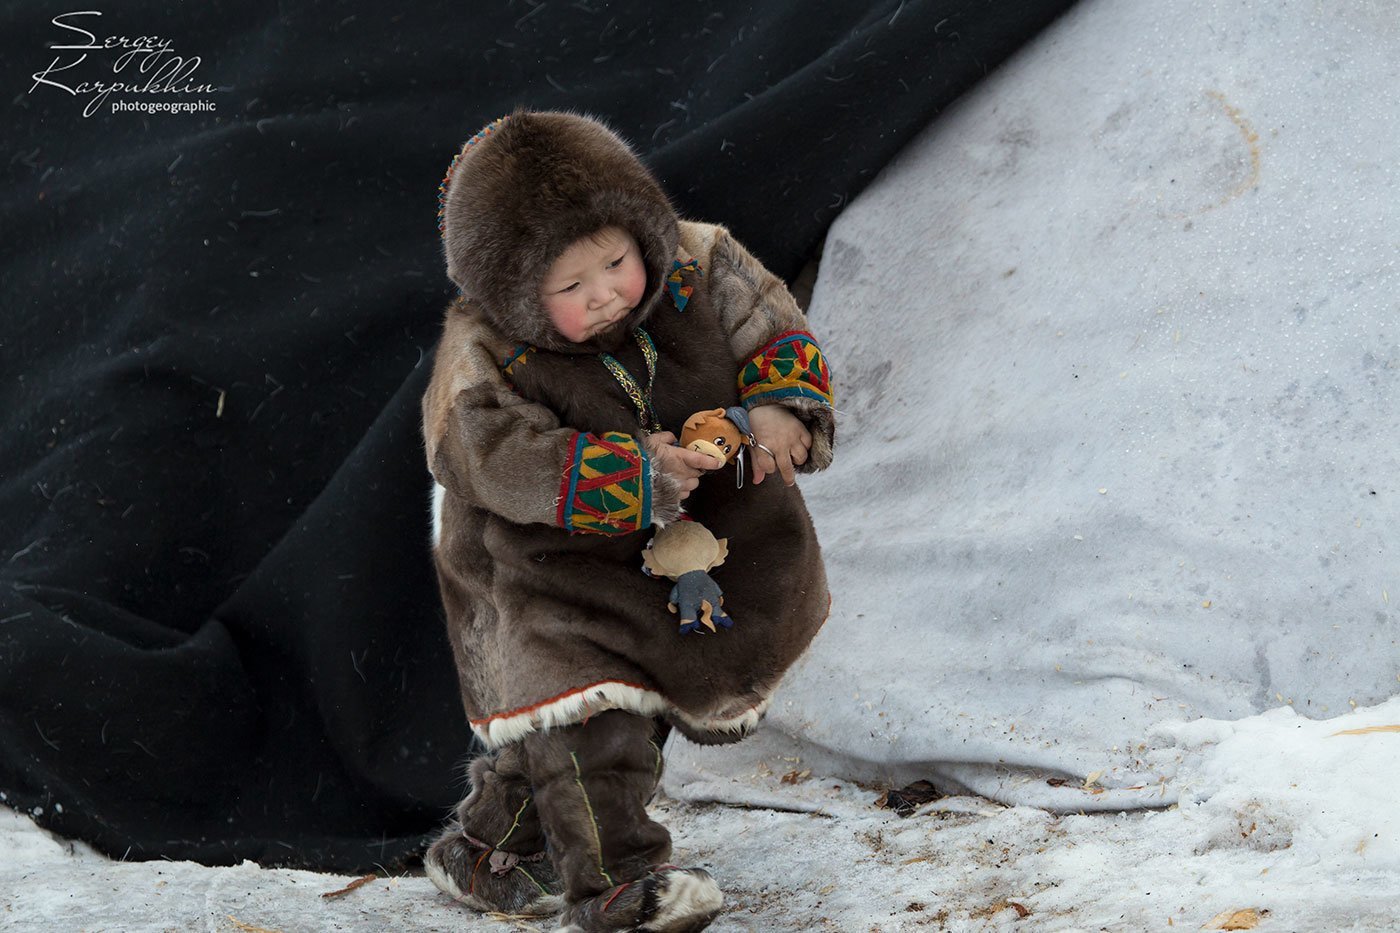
(686, 552)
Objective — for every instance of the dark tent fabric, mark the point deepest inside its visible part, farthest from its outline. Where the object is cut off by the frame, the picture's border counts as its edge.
(219, 631)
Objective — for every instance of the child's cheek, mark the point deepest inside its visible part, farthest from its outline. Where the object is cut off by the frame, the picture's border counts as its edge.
(566, 318)
(637, 283)
(578, 325)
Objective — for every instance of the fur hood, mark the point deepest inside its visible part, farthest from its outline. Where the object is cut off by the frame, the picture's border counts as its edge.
(525, 188)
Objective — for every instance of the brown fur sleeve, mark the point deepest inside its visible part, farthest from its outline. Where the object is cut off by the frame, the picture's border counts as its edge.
(492, 447)
(756, 308)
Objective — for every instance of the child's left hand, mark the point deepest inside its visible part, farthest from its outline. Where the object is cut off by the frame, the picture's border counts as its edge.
(783, 433)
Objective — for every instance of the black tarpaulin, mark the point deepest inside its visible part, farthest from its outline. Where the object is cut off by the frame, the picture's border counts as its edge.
(219, 631)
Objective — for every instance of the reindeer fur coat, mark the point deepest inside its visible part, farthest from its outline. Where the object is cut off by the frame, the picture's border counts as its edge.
(545, 496)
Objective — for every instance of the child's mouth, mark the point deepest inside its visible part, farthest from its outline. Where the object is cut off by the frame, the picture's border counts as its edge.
(616, 322)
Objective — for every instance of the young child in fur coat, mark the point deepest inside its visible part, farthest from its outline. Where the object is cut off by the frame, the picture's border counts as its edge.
(591, 323)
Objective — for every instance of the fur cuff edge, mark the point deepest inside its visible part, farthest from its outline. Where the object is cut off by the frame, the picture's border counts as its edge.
(665, 498)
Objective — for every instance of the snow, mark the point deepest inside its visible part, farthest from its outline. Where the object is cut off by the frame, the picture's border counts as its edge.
(1282, 814)
(1129, 572)
(1117, 354)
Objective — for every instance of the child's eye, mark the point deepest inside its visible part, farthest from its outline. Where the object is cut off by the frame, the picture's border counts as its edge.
(563, 291)
(617, 262)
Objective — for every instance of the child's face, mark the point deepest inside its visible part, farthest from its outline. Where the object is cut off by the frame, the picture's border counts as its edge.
(593, 284)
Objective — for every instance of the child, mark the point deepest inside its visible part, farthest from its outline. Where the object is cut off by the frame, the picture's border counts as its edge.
(590, 321)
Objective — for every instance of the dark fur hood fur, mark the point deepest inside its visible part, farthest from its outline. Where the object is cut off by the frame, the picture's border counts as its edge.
(516, 198)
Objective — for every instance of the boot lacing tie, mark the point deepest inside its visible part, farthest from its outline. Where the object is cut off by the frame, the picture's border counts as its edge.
(499, 861)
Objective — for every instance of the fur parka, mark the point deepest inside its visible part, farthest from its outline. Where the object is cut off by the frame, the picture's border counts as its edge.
(544, 494)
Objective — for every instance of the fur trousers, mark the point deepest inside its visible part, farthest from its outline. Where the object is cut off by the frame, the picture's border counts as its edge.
(592, 783)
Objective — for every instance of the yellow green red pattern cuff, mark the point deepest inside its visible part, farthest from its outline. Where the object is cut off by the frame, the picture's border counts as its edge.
(607, 485)
(791, 366)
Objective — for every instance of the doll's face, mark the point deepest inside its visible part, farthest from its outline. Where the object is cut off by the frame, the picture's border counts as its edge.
(709, 432)
(594, 284)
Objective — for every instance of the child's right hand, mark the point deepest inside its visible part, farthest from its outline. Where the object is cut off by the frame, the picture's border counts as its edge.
(684, 466)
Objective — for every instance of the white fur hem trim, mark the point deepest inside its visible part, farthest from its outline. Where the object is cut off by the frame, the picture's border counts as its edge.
(439, 494)
(576, 706)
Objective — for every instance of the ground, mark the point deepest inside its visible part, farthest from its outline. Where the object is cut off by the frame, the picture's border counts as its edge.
(1285, 823)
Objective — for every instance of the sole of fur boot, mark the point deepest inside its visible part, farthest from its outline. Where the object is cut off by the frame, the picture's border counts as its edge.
(667, 900)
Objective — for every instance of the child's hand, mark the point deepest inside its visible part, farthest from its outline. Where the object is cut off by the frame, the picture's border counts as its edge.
(684, 466)
(783, 433)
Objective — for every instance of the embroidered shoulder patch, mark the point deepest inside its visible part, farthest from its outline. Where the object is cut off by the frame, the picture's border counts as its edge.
(518, 357)
(791, 366)
(681, 292)
(607, 485)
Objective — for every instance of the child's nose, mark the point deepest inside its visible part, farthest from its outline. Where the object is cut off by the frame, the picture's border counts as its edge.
(600, 295)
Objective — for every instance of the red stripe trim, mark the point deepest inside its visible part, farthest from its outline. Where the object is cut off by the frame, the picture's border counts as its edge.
(613, 447)
(792, 333)
(608, 479)
(555, 699)
(608, 902)
(583, 508)
(769, 352)
(563, 511)
(471, 887)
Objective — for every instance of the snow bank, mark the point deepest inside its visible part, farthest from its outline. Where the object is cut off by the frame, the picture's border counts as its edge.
(1324, 789)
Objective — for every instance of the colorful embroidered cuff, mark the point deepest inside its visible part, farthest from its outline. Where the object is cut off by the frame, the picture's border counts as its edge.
(792, 366)
(607, 485)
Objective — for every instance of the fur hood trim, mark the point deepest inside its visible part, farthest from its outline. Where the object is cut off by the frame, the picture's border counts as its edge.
(525, 188)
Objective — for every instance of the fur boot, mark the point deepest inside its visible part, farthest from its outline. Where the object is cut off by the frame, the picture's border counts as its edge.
(667, 900)
(492, 856)
(592, 783)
